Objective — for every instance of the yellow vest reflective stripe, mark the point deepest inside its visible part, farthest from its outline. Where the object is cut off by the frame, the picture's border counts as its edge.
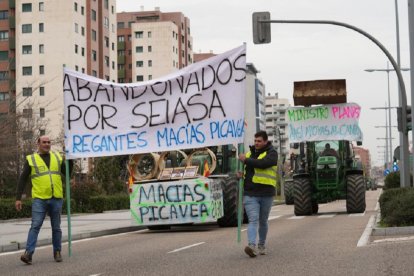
(46, 182)
(266, 176)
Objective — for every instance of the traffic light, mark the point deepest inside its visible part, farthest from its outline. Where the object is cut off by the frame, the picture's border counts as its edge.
(261, 31)
(407, 119)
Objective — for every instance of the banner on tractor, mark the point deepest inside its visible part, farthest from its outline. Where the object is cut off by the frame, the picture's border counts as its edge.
(200, 105)
(324, 122)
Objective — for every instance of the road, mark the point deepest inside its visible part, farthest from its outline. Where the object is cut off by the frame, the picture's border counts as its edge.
(324, 244)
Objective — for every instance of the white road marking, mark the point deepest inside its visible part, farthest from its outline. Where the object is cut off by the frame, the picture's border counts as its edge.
(96, 274)
(326, 216)
(357, 215)
(185, 247)
(377, 206)
(297, 217)
(244, 230)
(364, 239)
(273, 217)
(395, 239)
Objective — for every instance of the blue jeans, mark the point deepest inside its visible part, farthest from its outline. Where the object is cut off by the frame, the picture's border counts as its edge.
(40, 207)
(258, 210)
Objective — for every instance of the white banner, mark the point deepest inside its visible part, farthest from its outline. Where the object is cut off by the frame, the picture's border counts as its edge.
(201, 105)
(324, 122)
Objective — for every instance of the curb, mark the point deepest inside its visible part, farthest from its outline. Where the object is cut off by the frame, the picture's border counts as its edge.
(15, 246)
(390, 231)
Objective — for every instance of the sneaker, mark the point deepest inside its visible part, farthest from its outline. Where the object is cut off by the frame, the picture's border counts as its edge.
(262, 250)
(251, 251)
(26, 258)
(57, 256)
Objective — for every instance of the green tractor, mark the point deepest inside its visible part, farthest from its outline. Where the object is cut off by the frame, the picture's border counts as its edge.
(320, 179)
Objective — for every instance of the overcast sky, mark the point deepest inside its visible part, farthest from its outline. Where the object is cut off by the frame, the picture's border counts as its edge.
(308, 52)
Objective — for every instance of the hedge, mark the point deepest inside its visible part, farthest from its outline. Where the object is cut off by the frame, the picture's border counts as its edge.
(397, 207)
(95, 204)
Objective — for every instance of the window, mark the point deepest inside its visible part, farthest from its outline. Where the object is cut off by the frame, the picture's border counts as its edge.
(113, 46)
(130, 66)
(76, 7)
(41, 27)
(27, 70)
(27, 49)
(4, 35)
(93, 15)
(93, 35)
(107, 61)
(83, 31)
(149, 77)
(94, 73)
(82, 10)
(149, 49)
(139, 49)
(106, 4)
(27, 134)
(139, 63)
(113, 64)
(112, 9)
(106, 22)
(93, 55)
(41, 91)
(83, 70)
(4, 75)
(139, 34)
(149, 34)
(129, 37)
(41, 48)
(4, 96)
(27, 91)
(121, 38)
(149, 63)
(76, 28)
(4, 15)
(26, 28)
(27, 7)
(42, 112)
(76, 48)
(42, 132)
(106, 42)
(41, 69)
(41, 6)
(4, 55)
(76, 68)
(140, 78)
(83, 52)
(120, 25)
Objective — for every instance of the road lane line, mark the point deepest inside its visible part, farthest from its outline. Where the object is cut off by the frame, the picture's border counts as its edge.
(364, 239)
(326, 216)
(357, 215)
(297, 217)
(186, 247)
(273, 217)
(244, 229)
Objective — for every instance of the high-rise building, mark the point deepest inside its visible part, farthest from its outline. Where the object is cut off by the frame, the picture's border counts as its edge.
(276, 122)
(152, 44)
(365, 158)
(78, 34)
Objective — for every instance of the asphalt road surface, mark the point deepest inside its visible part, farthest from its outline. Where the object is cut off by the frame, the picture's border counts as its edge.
(323, 244)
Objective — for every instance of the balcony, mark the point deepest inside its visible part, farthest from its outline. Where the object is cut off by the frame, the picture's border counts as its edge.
(121, 59)
(12, 63)
(121, 73)
(12, 3)
(121, 45)
(12, 43)
(12, 22)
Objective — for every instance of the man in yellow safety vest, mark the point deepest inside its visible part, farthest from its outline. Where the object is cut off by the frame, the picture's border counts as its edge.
(45, 169)
(260, 172)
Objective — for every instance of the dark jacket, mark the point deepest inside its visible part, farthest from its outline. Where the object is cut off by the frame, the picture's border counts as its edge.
(255, 189)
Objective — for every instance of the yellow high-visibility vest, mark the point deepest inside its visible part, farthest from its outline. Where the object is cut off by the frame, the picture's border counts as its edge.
(46, 182)
(266, 176)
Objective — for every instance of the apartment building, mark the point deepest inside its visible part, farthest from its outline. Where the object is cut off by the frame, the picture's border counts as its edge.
(364, 156)
(276, 122)
(78, 34)
(152, 44)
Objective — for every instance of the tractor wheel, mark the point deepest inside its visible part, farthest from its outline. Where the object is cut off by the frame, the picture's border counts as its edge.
(355, 194)
(302, 197)
(230, 187)
(159, 227)
(288, 189)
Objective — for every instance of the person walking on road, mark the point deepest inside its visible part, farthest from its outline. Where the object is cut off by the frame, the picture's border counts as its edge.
(45, 169)
(260, 172)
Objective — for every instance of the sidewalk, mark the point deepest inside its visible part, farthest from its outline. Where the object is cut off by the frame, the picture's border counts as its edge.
(13, 233)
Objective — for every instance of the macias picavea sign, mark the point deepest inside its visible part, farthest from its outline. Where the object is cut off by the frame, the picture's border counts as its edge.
(200, 105)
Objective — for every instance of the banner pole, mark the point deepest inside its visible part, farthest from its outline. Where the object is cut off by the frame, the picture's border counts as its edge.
(68, 207)
(240, 197)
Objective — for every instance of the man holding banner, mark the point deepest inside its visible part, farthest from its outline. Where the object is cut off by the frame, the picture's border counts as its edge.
(260, 172)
